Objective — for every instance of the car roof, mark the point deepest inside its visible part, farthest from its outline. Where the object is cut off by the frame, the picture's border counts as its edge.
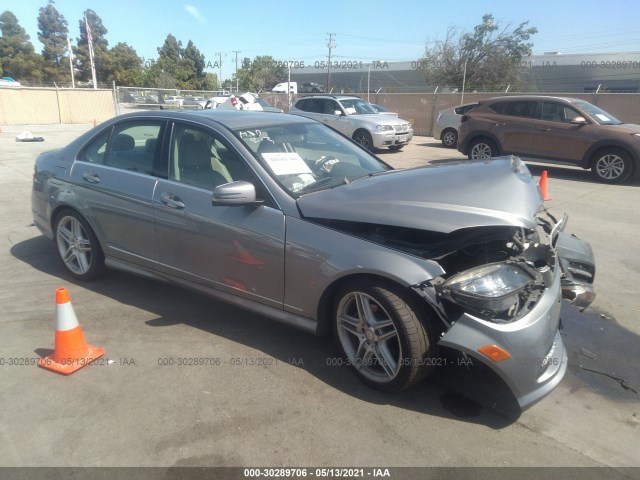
(533, 97)
(335, 97)
(232, 119)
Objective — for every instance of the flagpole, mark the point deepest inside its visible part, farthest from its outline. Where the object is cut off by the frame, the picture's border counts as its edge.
(73, 81)
(90, 42)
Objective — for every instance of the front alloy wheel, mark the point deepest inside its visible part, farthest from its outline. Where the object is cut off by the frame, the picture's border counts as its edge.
(611, 166)
(381, 336)
(364, 138)
(78, 246)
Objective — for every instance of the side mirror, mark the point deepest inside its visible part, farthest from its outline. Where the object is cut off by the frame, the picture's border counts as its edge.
(337, 113)
(235, 194)
(579, 121)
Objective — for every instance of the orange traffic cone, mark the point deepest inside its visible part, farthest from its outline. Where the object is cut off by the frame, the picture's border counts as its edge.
(543, 186)
(71, 350)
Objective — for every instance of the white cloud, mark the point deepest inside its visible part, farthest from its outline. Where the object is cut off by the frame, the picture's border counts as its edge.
(195, 13)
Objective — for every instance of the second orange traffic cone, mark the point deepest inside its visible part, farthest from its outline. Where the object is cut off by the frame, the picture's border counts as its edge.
(71, 350)
(543, 186)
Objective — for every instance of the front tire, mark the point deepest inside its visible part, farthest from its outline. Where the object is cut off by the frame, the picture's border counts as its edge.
(611, 165)
(77, 246)
(380, 334)
(481, 149)
(364, 139)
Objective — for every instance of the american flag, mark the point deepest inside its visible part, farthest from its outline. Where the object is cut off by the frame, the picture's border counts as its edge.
(90, 42)
(89, 36)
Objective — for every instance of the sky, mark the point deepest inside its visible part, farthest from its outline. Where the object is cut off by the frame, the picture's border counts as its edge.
(363, 30)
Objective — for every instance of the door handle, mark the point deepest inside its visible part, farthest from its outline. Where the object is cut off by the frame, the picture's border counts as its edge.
(91, 177)
(500, 124)
(544, 129)
(171, 200)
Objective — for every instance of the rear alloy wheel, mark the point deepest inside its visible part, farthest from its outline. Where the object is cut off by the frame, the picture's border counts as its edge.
(77, 246)
(482, 149)
(381, 336)
(450, 138)
(611, 166)
(364, 138)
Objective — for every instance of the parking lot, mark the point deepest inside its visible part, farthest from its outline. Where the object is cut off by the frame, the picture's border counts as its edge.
(190, 381)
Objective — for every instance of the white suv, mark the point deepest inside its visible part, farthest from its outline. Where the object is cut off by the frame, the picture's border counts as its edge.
(357, 119)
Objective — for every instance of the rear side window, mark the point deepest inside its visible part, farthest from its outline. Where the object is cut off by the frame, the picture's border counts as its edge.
(95, 151)
(313, 105)
(520, 109)
(498, 107)
(134, 146)
(465, 108)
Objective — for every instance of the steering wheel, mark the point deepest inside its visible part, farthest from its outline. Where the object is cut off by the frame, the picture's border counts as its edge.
(325, 164)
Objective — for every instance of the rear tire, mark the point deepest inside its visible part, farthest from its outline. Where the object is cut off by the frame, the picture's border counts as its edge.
(449, 138)
(481, 149)
(611, 165)
(379, 332)
(77, 246)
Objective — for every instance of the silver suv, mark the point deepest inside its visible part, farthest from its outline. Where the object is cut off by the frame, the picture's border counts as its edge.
(356, 119)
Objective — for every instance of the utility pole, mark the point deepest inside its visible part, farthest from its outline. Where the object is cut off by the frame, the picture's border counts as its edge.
(219, 54)
(464, 79)
(331, 44)
(236, 52)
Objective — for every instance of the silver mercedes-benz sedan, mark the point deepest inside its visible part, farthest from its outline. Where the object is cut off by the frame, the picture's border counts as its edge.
(286, 217)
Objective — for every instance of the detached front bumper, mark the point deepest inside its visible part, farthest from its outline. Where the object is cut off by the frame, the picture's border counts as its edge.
(578, 270)
(538, 358)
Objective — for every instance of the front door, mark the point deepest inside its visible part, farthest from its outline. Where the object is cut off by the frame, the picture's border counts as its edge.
(237, 249)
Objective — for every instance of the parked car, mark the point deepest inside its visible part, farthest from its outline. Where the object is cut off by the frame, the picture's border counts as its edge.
(191, 102)
(9, 82)
(383, 111)
(553, 129)
(284, 87)
(357, 119)
(448, 123)
(286, 217)
(176, 100)
(311, 87)
(247, 101)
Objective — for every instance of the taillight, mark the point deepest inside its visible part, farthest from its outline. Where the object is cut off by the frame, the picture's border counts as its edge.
(234, 101)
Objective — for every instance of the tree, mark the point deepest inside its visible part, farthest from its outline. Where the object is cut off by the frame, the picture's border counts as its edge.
(53, 33)
(127, 65)
(101, 56)
(18, 58)
(261, 73)
(493, 56)
(179, 67)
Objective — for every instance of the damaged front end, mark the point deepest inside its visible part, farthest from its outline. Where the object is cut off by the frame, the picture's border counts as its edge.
(501, 302)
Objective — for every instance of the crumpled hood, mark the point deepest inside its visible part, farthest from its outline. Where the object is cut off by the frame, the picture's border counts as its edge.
(442, 198)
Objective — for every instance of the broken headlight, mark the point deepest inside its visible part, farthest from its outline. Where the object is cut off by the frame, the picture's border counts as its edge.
(494, 291)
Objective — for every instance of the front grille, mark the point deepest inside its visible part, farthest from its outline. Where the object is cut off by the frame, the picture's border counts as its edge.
(404, 128)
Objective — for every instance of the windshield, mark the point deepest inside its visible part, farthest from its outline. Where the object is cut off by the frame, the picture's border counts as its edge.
(599, 115)
(356, 106)
(305, 158)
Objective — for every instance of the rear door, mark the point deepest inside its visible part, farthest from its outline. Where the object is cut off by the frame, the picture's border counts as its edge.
(238, 249)
(516, 126)
(115, 175)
